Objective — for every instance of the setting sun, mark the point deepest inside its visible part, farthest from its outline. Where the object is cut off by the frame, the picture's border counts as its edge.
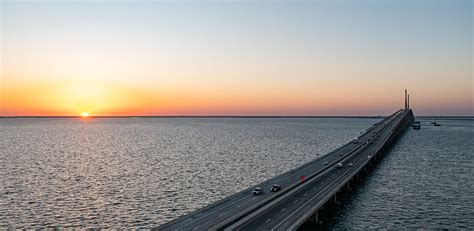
(85, 114)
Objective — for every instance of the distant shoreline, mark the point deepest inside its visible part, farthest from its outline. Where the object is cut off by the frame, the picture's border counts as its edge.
(233, 116)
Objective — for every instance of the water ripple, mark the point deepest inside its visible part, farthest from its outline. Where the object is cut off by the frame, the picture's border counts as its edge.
(139, 173)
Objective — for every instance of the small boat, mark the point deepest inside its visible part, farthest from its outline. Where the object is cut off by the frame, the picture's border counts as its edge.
(416, 126)
(436, 124)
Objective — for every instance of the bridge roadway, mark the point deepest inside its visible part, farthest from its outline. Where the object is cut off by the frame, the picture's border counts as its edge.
(297, 200)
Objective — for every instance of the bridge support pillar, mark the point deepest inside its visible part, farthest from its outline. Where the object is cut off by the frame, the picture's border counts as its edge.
(314, 219)
(335, 199)
(348, 186)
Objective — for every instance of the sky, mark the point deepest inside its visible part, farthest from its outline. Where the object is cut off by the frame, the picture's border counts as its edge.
(243, 57)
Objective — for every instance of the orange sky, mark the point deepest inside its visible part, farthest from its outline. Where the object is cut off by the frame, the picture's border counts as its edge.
(217, 59)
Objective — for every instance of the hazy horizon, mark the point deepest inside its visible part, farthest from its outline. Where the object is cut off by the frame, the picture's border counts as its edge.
(238, 58)
(229, 116)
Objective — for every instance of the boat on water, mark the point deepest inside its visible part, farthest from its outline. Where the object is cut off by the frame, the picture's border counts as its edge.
(416, 125)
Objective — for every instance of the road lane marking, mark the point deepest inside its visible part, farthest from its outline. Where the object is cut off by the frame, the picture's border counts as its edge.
(200, 218)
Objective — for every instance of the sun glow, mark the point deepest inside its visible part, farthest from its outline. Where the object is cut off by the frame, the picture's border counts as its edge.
(85, 114)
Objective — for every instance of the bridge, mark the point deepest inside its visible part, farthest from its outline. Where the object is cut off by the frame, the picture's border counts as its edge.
(299, 199)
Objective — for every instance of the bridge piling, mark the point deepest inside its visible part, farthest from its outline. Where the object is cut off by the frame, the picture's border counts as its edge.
(316, 217)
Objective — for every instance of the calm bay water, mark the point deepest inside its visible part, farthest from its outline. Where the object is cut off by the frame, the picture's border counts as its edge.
(139, 173)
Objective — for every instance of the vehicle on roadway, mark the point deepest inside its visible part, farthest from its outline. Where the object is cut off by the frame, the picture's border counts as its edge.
(257, 191)
(355, 140)
(325, 163)
(339, 165)
(350, 164)
(275, 188)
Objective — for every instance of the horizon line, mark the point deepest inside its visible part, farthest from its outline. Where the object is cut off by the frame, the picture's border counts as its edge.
(232, 116)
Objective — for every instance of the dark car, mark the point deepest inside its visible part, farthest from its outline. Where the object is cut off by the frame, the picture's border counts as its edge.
(275, 188)
(257, 191)
(325, 163)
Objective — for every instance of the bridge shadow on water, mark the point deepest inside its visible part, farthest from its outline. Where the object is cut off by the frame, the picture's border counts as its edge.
(334, 211)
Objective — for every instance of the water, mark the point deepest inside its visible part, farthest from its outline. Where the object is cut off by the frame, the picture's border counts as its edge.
(424, 182)
(139, 173)
(142, 172)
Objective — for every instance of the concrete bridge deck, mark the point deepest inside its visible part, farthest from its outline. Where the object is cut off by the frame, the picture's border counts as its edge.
(298, 200)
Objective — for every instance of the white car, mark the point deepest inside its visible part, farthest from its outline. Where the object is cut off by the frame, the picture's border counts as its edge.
(339, 165)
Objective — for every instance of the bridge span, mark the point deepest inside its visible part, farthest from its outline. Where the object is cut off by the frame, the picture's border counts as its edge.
(298, 200)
